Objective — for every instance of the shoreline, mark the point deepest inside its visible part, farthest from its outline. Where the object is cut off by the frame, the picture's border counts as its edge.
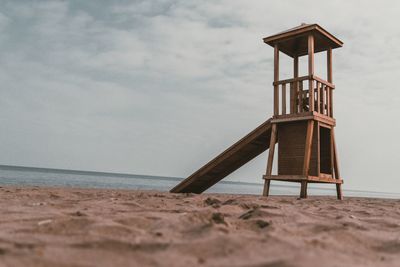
(65, 226)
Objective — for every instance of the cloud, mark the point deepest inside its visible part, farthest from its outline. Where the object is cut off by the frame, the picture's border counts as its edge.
(160, 87)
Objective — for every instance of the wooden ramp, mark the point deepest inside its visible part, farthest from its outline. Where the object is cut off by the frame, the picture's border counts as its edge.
(247, 148)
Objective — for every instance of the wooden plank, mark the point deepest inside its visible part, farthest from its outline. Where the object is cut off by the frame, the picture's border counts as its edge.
(304, 116)
(314, 77)
(329, 64)
(337, 172)
(303, 189)
(323, 118)
(294, 118)
(316, 179)
(294, 178)
(301, 178)
(311, 95)
(307, 156)
(284, 98)
(336, 160)
(270, 159)
(228, 161)
(296, 83)
(311, 72)
(292, 98)
(331, 100)
(276, 78)
(318, 97)
(328, 102)
(336, 166)
(307, 152)
(302, 78)
(318, 150)
(326, 175)
(300, 94)
(322, 91)
(276, 100)
(329, 74)
(321, 124)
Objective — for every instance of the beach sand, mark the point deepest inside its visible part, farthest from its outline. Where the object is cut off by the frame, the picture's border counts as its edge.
(96, 227)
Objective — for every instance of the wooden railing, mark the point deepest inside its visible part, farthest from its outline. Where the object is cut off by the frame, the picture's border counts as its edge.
(292, 96)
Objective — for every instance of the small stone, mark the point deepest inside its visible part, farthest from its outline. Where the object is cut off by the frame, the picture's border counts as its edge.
(79, 213)
(230, 202)
(39, 204)
(247, 214)
(262, 223)
(212, 201)
(45, 222)
(218, 218)
(159, 234)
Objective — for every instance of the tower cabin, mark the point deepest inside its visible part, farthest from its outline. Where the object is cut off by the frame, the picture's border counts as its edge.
(303, 122)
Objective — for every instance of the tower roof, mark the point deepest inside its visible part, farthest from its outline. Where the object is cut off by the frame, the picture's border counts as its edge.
(293, 42)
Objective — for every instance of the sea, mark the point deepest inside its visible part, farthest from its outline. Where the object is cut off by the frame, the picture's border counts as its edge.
(33, 176)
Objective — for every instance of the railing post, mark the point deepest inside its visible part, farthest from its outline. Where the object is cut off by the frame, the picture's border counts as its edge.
(318, 98)
(300, 93)
(323, 87)
(331, 102)
(284, 99)
(311, 72)
(328, 101)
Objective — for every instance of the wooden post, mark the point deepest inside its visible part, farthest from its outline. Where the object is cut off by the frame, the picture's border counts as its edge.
(311, 72)
(330, 79)
(296, 83)
(336, 166)
(323, 89)
(284, 98)
(303, 189)
(300, 93)
(307, 156)
(329, 64)
(331, 104)
(318, 149)
(318, 97)
(270, 159)
(328, 101)
(292, 98)
(276, 78)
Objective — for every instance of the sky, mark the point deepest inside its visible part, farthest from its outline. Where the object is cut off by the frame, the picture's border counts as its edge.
(161, 87)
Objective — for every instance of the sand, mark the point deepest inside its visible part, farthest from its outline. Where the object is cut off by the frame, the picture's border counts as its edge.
(92, 227)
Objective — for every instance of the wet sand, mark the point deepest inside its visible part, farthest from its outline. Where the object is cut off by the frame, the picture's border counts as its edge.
(91, 227)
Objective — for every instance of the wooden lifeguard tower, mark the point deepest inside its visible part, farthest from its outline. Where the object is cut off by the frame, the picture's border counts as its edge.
(302, 124)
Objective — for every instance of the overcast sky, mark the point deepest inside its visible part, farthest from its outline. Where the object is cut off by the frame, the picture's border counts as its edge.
(160, 87)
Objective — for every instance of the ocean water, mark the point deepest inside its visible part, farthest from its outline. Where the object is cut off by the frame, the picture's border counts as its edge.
(28, 176)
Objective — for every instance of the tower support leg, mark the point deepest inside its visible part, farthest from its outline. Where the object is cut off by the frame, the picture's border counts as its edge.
(270, 159)
(336, 166)
(303, 189)
(307, 157)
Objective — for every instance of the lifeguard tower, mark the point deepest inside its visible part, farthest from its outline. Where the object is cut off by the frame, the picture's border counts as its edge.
(302, 125)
